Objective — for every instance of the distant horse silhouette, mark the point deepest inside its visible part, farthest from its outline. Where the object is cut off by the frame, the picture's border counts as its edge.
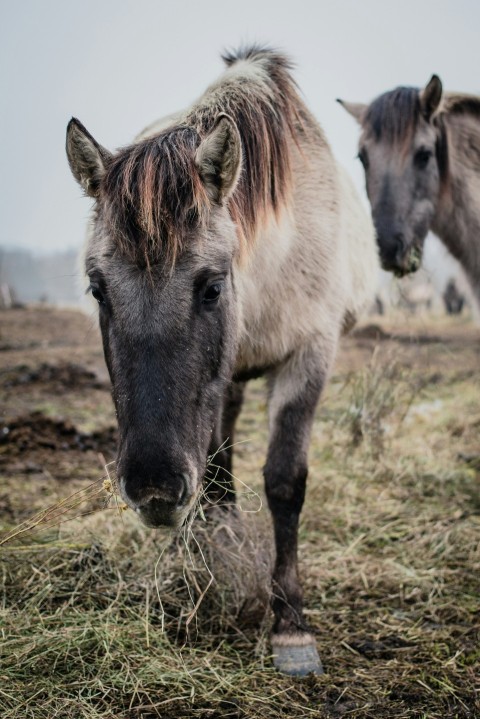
(225, 244)
(421, 153)
(453, 299)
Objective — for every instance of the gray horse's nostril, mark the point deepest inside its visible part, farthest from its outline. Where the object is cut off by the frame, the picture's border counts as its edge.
(400, 245)
(181, 486)
(185, 488)
(166, 504)
(173, 492)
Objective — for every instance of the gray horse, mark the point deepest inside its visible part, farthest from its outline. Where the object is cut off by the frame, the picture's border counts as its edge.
(421, 153)
(225, 244)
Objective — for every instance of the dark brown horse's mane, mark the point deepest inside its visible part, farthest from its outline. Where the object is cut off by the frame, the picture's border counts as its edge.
(152, 191)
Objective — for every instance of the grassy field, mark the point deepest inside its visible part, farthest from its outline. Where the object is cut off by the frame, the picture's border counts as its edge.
(103, 618)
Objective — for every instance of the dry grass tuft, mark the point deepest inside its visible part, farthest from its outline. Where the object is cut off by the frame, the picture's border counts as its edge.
(127, 615)
(102, 618)
(376, 392)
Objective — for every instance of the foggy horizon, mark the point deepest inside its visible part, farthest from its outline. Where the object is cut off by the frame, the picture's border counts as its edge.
(118, 66)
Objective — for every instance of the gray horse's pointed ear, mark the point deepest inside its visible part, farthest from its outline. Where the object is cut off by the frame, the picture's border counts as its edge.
(219, 158)
(87, 159)
(430, 97)
(355, 109)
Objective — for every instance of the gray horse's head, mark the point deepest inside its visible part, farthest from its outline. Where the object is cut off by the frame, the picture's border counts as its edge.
(403, 151)
(159, 260)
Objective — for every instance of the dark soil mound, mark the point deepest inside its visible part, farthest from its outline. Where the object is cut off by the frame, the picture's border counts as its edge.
(36, 431)
(65, 376)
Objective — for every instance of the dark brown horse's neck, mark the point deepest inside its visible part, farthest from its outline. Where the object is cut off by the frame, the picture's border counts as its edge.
(457, 219)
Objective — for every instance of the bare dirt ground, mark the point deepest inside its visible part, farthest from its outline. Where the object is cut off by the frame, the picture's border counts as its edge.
(97, 617)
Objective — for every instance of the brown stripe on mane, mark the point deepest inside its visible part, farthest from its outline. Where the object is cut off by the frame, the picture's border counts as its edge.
(152, 192)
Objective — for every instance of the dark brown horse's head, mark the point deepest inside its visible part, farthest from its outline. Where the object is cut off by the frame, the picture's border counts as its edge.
(159, 260)
(403, 151)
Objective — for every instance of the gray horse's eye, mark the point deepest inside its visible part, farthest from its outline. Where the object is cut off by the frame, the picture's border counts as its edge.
(98, 295)
(363, 157)
(422, 157)
(212, 293)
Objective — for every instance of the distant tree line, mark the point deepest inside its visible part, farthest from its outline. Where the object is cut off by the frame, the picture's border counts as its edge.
(51, 278)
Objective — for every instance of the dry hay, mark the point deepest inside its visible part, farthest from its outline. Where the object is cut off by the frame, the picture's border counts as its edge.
(127, 623)
(389, 557)
(214, 571)
(127, 595)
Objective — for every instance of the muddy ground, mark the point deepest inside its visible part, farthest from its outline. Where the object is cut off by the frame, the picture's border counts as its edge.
(389, 543)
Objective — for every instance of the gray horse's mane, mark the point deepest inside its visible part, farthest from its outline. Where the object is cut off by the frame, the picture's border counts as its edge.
(152, 190)
(459, 104)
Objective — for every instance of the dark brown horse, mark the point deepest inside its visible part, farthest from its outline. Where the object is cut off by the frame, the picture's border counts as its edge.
(225, 244)
(421, 153)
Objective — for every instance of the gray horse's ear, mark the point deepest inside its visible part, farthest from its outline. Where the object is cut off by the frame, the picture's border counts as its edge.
(219, 158)
(87, 159)
(430, 97)
(355, 109)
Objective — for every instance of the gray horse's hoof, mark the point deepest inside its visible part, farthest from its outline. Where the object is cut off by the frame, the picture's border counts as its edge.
(296, 655)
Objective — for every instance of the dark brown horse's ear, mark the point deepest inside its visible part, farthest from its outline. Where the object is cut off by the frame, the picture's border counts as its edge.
(219, 158)
(87, 159)
(430, 97)
(355, 109)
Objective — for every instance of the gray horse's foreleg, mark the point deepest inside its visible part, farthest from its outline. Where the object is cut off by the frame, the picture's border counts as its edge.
(232, 407)
(219, 486)
(295, 393)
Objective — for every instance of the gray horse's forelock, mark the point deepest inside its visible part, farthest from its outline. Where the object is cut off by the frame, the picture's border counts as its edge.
(153, 194)
(394, 118)
(394, 115)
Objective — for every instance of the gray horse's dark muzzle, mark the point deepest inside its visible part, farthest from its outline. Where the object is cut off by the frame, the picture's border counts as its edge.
(397, 256)
(162, 499)
(159, 513)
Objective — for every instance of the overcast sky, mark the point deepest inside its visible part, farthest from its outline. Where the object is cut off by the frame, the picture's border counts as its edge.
(119, 64)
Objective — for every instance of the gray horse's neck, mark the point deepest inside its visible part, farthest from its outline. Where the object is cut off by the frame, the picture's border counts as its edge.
(457, 221)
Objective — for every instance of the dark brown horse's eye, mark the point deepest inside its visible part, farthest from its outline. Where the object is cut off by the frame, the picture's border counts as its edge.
(363, 157)
(422, 157)
(212, 293)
